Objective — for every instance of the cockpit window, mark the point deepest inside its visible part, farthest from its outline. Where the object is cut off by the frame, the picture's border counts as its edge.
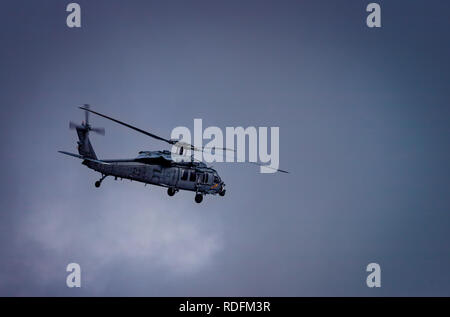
(192, 176)
(216, 180)
(184, 175)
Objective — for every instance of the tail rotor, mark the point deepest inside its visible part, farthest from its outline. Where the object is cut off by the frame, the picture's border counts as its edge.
(84, 145)
(85, 126)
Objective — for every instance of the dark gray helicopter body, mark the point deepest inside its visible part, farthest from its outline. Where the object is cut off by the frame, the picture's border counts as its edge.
(150, 167)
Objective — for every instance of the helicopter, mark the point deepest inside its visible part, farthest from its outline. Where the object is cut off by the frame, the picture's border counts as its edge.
(174, 171)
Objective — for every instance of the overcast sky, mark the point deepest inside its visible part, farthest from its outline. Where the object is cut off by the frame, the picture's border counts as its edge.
(364, 130)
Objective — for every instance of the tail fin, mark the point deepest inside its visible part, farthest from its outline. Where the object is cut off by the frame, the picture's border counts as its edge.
(84, 144)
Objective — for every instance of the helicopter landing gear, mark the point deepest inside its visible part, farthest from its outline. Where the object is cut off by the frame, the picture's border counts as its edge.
(222, 192)
(171, 191)
(198, 198)
(99, 182)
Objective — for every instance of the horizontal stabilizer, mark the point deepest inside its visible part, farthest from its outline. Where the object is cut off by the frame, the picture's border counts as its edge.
(83, 158)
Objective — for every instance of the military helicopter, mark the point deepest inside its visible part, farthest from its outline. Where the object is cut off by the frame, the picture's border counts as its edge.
(150, 167)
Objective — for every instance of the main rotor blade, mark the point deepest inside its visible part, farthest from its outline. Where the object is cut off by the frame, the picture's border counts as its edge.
(275, 169)
(233, 158)
(188, 146)
(218, 148)
(127, 125)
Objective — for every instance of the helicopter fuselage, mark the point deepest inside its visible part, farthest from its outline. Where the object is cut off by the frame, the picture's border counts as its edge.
(161, 168)
(178, 177)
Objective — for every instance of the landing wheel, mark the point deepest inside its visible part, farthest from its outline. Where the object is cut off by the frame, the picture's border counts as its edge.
(198, 198)
(171, 191)
(99, 182)
(222, 192)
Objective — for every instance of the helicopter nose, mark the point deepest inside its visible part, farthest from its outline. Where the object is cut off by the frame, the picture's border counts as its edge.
(222, 190)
